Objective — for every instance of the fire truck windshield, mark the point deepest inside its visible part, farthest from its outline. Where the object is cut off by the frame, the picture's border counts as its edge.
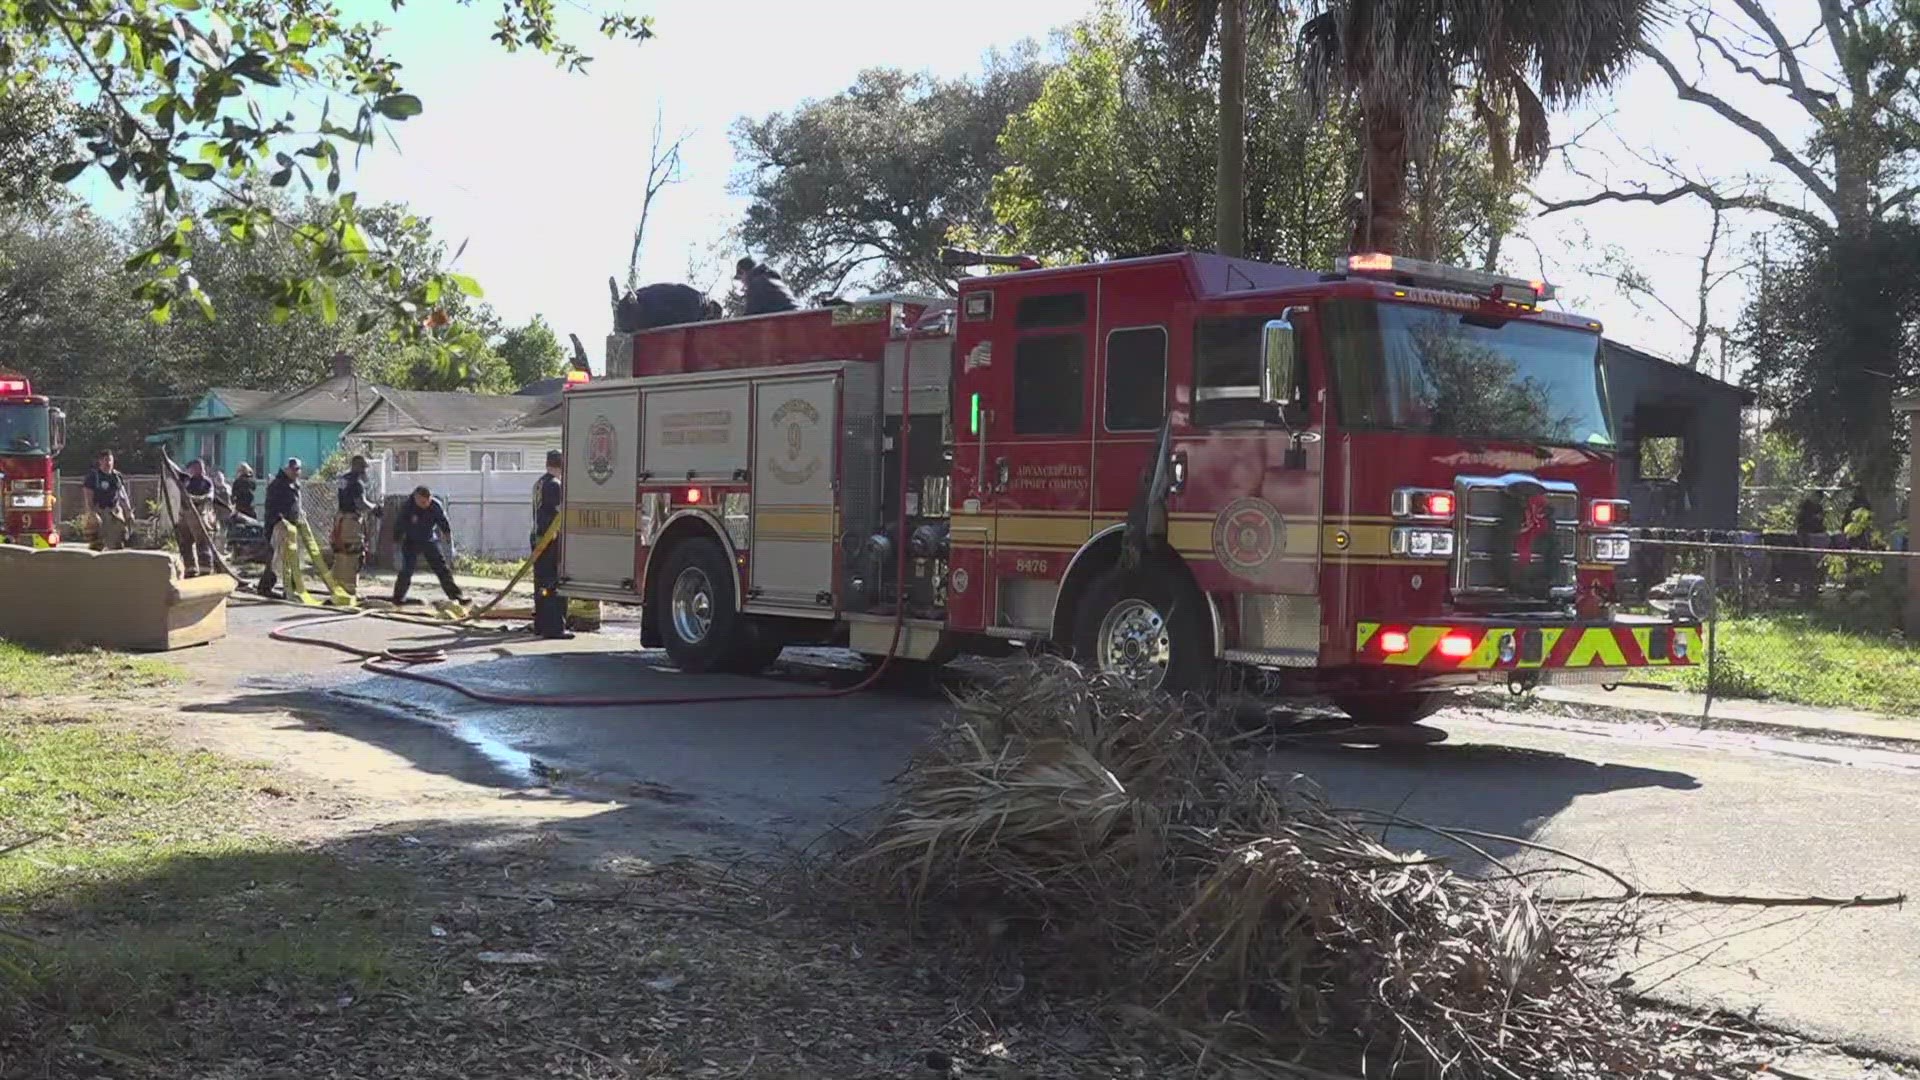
(24, 428)
(1399, 367)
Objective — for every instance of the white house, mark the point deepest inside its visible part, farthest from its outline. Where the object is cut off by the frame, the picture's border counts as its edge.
(429, 431)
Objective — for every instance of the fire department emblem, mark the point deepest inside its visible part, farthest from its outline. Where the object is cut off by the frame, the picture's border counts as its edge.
(1247, 535)
(795, 417)
(600, 446)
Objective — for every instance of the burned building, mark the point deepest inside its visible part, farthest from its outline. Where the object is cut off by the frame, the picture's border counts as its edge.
(1679, 437)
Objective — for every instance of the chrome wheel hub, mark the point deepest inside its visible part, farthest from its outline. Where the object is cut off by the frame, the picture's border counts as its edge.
(1133, 643)
(692, 605)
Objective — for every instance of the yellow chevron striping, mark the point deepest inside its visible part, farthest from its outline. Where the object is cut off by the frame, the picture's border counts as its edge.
(1596, 643)
(1421, 640)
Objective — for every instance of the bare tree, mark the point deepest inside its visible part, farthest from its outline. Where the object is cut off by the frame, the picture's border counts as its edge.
(1695, 315)
(664, 167)
(1849, 77)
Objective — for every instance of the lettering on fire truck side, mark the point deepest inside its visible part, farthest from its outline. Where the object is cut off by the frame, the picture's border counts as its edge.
(1064, 477)
(710, 427)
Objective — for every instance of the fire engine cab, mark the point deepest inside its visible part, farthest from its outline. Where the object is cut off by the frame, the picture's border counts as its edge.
(1374, 484)
(32, 433)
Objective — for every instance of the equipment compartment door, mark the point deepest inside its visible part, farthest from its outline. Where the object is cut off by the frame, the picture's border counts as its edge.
(795, 530)
(597, 531)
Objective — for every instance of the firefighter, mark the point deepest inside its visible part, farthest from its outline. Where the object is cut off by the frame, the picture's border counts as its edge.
(111, 507)
(243, 488)
(414, 527)
(350, 525)
(193, 525)
(549, 607)
(765, 292)
(282, 522)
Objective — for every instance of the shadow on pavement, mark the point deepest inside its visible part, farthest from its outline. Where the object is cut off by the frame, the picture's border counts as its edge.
(1507, 790)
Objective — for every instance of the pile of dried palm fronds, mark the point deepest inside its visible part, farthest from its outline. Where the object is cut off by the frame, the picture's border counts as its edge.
(1138, 852)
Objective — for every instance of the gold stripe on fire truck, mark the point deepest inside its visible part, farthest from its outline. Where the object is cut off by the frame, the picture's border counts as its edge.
(797, 523)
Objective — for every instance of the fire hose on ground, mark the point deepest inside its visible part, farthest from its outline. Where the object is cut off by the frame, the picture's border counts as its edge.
(401, 663)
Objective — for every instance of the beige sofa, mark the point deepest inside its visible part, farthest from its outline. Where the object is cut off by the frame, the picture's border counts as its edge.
(117, 599)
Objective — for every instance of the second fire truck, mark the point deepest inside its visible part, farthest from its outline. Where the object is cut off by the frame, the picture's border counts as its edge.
(1375, 484)
(32, 432)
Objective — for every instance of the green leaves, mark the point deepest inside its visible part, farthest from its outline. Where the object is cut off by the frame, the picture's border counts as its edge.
(399, 106)
(174, 90)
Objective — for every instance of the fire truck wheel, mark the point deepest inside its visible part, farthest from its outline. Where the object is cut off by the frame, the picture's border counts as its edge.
(694, 608)
(1150, 629)
(1400, 707)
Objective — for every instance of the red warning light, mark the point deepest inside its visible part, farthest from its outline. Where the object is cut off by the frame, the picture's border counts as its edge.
(1393, 641)
(693, 495)
(1440, 504)
(1457, 646)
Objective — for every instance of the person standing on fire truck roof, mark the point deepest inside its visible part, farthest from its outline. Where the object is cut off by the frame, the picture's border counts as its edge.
(283, 523)
(549, 607)
(419, 519)
(765, 291)
(111, 507)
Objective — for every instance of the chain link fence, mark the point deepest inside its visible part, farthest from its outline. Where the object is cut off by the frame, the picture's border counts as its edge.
(1808, 619)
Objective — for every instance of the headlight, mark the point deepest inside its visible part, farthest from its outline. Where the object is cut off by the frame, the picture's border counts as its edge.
(28, 500)
(1422, 543)
(1611, 549)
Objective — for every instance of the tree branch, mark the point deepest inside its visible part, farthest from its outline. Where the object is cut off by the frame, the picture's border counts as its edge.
(1702, 192)
(1898, 198)
(1796, 80)
(1783, 156)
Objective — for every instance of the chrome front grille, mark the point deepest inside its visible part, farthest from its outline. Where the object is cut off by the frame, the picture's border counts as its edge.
(1513, 547)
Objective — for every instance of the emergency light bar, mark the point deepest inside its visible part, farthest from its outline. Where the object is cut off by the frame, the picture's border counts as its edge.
(578, 377)
(15, 385)
(1419, 272)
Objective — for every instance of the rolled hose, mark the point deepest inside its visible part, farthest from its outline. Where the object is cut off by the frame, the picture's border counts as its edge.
(400, 663)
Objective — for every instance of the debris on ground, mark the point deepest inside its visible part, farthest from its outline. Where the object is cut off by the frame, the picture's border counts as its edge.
(1092, 835)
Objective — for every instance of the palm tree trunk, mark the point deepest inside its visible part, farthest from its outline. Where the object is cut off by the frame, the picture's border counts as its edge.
(1382, 209)
(1230, 172)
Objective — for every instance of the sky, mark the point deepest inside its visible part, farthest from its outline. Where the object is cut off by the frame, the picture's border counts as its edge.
(538, 172)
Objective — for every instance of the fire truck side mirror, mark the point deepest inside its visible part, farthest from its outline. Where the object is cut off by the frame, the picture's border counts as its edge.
(57, 433)
(1278, 359)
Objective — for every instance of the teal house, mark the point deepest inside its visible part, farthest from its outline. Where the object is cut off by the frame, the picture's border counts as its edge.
(266, 427)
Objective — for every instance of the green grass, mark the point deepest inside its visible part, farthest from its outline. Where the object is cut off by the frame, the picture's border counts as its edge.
(1797, 660)
(26, 671)
(138, 872)
(483, 567)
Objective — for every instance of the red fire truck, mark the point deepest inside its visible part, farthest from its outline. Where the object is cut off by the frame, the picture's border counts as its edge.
(32, 432)
(1374, 484)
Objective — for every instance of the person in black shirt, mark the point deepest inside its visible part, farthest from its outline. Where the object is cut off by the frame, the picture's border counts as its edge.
(549, 607)
(107, 500)
(193, 525)
(765, 292)
(420, 518)
(350, 526)
(282, 522)
(243, 488)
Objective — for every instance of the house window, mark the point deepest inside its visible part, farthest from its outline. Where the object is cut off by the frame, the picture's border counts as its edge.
(498, 460)
(406, 460)
(1136, 378)
(259, 452)
(1662, 457)
(1047, 384)
(208, 448)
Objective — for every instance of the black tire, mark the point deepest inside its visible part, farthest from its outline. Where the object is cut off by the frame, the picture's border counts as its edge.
(756, 646)
(718, 647)
(1393, 707)
(1185, 630)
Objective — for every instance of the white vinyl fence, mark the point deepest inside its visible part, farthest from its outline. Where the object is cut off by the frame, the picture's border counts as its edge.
(491, 511)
